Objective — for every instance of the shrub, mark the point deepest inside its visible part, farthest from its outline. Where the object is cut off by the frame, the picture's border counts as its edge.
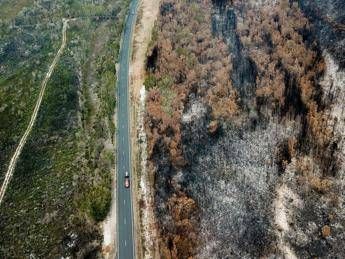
(150, 81)
(99, 203)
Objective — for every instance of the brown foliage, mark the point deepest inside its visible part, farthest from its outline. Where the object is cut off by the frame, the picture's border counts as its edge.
(181, 241)
(285, 63)
(292, 142)
(190, 56)
(318, 125)
(309, 171)
(277, 48)
(189, 60)
(326, 231)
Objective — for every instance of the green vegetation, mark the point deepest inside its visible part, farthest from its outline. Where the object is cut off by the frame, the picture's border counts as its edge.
(41, 191)
(20, 81)
(99, 201)
(164, 86)
(154, 37)
(168, 96)
(61, 187)
(9, 9)
(151, 81)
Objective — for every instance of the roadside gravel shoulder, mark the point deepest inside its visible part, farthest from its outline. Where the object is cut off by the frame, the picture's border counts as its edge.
(148, 12)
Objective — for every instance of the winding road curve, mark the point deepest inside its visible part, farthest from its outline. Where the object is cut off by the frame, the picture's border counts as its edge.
(24, 138)
(126, 243)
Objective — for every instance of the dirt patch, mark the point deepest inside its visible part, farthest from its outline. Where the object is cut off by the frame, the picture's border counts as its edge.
(142, 37)
(109, 229)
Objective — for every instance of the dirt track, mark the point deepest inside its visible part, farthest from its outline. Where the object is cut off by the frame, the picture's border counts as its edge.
(24, 138)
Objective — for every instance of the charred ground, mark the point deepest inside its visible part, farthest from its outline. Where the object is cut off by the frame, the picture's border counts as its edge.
(248, 154)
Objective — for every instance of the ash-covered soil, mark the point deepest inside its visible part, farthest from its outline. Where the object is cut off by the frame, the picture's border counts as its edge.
(249, 156)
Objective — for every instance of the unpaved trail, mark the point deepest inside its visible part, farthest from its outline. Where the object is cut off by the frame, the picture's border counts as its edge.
(24, 138)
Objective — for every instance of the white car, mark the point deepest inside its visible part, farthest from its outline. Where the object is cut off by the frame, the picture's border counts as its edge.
(127, 180)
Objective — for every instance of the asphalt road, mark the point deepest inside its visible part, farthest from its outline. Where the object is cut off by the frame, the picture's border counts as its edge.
(126, 244)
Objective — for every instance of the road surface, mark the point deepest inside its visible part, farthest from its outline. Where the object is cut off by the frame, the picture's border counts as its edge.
(24, 138)
(126, 244)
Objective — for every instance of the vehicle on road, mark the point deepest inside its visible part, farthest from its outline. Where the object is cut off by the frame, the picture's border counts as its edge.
(127, 180)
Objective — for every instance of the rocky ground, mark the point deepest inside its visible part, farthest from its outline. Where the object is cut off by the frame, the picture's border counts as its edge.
(249, 153)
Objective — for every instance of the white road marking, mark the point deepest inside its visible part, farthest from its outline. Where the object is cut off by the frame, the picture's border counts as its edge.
(124, 201)
(125, 221)
(125, 243)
